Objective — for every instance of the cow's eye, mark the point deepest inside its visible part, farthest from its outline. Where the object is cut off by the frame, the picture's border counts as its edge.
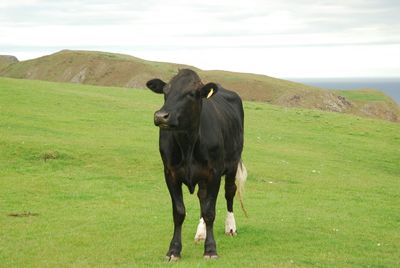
(192, 94)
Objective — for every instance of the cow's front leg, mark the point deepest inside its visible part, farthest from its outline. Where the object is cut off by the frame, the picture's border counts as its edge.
(178, 209)
(208, 192)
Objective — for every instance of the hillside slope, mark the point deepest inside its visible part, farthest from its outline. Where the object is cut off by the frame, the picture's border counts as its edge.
(110, 69)
(6, 60)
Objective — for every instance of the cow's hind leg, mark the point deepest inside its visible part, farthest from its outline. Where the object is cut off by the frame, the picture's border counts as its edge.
(208, 192)
(178, 209)
(230, 190)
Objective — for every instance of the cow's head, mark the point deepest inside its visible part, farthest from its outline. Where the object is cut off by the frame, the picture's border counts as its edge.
(183, 98)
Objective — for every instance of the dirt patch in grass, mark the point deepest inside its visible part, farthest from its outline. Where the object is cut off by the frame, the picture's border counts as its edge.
(49, 155)
(23, 214)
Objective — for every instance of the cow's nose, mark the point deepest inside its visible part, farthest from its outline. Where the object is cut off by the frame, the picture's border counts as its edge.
(161, 117)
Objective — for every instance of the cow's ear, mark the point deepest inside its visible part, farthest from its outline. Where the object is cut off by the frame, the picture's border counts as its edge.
(156, 85)
(208, 90)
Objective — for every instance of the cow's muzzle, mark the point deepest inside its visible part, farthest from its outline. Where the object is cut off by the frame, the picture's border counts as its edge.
(161, 119)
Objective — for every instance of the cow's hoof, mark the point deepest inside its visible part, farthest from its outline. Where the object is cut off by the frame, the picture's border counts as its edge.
(230, 224)
(198, 241)
(210, 257)
(231, 233)
(172, 258)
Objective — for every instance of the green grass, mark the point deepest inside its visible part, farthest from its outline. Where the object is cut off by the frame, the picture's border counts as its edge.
(363, 95)
(323, 188)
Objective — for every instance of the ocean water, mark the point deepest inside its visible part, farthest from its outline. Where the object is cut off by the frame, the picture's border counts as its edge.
(390, 86)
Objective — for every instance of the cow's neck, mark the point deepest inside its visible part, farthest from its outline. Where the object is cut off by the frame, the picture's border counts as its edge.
(187, 141)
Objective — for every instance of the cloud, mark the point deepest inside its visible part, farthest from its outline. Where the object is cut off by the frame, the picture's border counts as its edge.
(212, 18)
(44, 13)
(201, 28)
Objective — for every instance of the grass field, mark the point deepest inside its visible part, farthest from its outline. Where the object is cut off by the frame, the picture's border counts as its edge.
(81, 185)
(363, 95)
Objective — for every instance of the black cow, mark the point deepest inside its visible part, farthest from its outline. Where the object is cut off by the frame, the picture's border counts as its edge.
(201, 139)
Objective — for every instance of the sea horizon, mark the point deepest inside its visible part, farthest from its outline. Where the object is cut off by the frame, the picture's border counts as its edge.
(388, 85)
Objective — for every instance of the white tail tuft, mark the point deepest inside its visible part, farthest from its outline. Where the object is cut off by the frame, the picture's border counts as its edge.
(241, 176)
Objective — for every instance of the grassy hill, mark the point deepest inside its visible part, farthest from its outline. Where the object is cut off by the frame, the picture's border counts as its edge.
(81, 185)
(109, 69)
(6, 61)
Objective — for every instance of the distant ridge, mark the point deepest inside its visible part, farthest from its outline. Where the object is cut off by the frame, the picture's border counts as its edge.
(7, 60)
(111, 69)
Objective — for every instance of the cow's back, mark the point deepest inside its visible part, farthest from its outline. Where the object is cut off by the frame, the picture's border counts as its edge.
(221, 125)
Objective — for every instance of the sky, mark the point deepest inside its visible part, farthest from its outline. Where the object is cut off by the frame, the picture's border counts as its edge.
(286, 39)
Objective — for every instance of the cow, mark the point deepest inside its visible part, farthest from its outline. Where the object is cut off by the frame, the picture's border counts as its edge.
(200, 140)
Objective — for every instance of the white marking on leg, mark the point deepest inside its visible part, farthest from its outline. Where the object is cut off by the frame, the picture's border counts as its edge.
(201, 231)
(230, 224)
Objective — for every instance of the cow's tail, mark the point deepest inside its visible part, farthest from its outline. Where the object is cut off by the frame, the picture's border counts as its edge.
(241, 176)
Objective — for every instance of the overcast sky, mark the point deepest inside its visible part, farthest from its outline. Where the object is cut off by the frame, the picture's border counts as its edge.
(303, 38)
